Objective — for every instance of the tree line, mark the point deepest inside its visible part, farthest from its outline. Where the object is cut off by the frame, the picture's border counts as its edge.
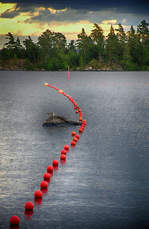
(119, 50)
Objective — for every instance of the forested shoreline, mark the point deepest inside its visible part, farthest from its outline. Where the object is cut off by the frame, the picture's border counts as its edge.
(119, 50)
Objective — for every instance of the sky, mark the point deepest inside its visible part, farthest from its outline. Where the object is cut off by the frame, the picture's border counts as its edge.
(32, 17)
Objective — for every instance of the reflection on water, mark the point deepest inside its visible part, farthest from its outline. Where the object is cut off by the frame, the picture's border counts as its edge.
(104, 182)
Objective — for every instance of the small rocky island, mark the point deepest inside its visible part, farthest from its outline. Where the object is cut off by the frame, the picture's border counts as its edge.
(58, 120)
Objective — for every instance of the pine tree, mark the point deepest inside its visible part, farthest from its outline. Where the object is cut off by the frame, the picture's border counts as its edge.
(112, 47)
(121, 36)
(31, 50)
(98, 39)
(143, 34)
(86, 48)
(135, 46)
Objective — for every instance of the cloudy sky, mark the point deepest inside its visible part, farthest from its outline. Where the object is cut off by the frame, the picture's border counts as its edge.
(32, 17)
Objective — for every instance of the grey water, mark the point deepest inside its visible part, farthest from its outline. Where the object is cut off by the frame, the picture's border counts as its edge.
(105, 180)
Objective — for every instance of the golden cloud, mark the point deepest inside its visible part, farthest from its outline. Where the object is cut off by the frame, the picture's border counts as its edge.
(20, 26)
(7, 7)
(54, 11)
(37, 11)
(113, 21)
(40, 8)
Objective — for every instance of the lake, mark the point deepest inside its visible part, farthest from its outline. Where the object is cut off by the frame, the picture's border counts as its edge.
(105, 180)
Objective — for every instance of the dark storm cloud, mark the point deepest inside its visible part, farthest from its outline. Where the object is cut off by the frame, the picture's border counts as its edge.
(122, 6)
(8, 14)
(69, 15)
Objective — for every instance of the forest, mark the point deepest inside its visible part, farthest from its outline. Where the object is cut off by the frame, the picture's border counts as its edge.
(119, 50)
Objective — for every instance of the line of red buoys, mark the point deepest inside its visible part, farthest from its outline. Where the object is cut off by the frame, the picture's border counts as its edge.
(38, 194)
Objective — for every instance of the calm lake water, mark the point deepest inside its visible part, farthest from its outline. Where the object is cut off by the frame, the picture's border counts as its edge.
(105, 180)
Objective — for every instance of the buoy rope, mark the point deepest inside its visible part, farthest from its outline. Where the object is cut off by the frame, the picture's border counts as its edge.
(15, 220)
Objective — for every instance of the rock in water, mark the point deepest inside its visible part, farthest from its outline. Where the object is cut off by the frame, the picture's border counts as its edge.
(58, 120)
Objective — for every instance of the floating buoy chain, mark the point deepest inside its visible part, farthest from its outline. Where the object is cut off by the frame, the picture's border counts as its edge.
(38, 194)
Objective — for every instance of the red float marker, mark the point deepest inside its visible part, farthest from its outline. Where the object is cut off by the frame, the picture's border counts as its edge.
(60, 91)
(75, 139)
(66, 147)
(55, 163)
(14, 220)
(63, 152)
(63, 157)
(29, 205)
(73, 133)
(47, 177)
(77, 136)
(44, 185)
(73, 143)
(50, 169)
(80, 130)
(38, 194)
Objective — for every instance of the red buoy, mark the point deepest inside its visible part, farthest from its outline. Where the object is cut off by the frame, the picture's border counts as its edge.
(47, 177)
(44, 185)
(14, 220)
(66, 147)
(63, 157)
(80, 119)
(75, 139)
(77, 136)
(38, 194)
(60, 91)
(84, 121)
(50, 169)
(72, 143)
(55, 163)
(77, 111)
(29, 205)
(80, 130)
(73, 133)
(63, 151)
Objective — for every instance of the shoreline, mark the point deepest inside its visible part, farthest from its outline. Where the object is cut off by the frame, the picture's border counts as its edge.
(114, 70)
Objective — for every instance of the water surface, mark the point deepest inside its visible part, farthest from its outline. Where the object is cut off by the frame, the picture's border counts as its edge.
(105, 181)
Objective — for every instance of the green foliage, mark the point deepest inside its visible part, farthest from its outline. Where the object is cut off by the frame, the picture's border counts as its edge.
(31, 50)
(127, 62)
(112, 47)
(72, 59)
(13, 48)
(98, 40)
(94, 64)
(120, 50)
